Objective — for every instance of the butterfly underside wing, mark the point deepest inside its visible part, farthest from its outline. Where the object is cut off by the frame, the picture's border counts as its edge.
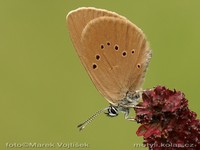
(113, 50)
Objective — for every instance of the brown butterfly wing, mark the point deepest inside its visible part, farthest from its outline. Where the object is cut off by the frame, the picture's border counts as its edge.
(78, 19)
(115, 54)
(112, 73)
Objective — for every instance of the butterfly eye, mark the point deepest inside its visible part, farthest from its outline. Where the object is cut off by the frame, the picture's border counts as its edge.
(94, 66)
(112, 111)
(124, 53)
(116, 47)
(97, 57)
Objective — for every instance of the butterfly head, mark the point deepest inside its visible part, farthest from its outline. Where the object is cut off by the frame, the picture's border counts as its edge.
(112, 111)
(130, 101)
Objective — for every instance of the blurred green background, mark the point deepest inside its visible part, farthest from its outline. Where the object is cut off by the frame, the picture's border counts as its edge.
(45, 91)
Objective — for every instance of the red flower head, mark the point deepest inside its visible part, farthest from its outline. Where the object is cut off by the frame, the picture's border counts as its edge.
(167, 122)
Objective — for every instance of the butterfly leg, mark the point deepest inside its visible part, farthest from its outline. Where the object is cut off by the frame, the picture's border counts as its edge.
(127, 117)
(132, 106)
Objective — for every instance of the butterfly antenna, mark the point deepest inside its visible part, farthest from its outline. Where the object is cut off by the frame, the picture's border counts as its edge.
(86, 122)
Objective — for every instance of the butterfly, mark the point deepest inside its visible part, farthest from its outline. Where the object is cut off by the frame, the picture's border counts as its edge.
(115, 54)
